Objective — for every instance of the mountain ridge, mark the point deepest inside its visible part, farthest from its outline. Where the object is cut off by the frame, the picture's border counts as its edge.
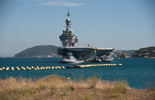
(38, 51)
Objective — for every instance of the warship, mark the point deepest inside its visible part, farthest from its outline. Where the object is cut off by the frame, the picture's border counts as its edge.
(78, 54)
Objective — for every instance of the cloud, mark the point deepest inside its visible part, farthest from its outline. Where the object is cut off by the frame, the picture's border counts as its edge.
(60, 3)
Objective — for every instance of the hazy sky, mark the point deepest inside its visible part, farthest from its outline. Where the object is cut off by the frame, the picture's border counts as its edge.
(119, 24)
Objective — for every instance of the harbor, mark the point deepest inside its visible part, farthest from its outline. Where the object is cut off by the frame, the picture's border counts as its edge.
(137, 71)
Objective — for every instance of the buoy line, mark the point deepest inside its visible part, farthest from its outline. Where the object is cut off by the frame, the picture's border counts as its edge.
(32, 68)
(56, 67)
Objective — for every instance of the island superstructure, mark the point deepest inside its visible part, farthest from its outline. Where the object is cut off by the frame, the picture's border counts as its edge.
(68, 38)
(71, 53)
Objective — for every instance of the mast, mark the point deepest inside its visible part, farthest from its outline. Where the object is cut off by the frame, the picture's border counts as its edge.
(68, 14)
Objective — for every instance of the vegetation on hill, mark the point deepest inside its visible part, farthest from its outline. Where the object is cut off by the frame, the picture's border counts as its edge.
(126, 52)
(41, 50)
(123, 53)
(144, 52)
(122, 56)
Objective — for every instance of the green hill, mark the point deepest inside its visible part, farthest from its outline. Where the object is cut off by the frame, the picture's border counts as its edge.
(38, 51)
(144, 52)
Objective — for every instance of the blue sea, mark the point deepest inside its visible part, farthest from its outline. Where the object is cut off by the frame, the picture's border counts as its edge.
(137, 71)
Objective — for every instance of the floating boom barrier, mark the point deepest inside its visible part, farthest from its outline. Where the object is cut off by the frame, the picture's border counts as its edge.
(32, 68)
(98, 65)
(92, 65)
(56, 67)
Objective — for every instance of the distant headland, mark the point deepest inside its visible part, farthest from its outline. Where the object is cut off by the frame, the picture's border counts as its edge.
(148, 52)
(39, 51)
(51, 51)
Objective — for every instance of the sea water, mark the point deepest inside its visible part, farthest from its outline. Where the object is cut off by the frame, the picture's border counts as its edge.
(137, 71)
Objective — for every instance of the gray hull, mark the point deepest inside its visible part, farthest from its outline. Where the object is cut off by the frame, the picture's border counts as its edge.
(84, 53)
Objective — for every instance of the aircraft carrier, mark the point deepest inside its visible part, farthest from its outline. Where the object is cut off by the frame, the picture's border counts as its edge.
(78, 54)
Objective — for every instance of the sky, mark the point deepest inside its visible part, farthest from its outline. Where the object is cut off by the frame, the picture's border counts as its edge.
(118, 24)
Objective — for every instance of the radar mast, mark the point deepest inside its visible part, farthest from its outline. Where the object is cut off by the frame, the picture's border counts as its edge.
(68, 14)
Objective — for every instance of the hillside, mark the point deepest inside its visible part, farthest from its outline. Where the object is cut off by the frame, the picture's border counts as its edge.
(144, 52)
(126, 52)
(38, 51)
